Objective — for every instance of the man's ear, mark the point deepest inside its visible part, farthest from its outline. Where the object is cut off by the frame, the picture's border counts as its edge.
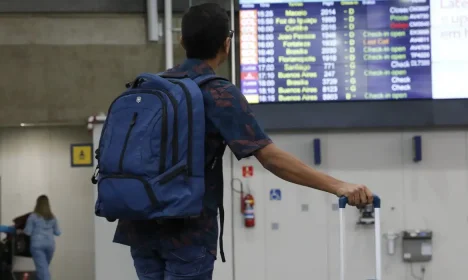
(227, 45)
(181, 40)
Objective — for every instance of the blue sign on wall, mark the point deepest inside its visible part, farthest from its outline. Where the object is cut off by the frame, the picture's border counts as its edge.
(275, 194)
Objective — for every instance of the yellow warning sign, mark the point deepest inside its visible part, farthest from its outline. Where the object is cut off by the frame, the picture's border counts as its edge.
(81, 155)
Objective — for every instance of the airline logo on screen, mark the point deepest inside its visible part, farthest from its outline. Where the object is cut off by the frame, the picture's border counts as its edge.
(249, 54)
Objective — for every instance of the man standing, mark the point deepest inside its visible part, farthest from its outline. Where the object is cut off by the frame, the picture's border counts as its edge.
(187, 249)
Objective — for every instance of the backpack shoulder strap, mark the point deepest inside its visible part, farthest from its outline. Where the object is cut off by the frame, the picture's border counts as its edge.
(200, 80)
(204, 79)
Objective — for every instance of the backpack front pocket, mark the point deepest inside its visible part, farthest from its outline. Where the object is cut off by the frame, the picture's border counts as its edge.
(125, 197)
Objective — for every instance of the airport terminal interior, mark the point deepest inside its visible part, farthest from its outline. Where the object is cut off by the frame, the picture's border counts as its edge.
(370, 92)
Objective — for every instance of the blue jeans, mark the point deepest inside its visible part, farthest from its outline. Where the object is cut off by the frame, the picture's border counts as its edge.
(42, 256)
(185, 263)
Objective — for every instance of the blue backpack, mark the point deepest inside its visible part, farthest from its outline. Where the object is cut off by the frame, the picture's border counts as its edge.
(151, 155)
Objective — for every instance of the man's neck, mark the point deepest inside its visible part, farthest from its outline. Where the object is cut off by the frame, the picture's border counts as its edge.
(213, 63)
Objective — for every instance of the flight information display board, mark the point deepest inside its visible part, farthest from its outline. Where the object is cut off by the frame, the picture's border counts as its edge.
(309, 51)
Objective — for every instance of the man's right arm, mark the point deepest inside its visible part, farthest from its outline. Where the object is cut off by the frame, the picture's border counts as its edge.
(228, 110)
(289, 168)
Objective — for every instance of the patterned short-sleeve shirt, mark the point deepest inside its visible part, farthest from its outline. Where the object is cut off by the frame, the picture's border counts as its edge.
(229, 120)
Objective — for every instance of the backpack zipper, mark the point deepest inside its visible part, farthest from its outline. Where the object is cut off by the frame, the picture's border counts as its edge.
(164, 123)
(124, 148)
(175, 133)
(162, 163)
(190, 125)
(173, 174)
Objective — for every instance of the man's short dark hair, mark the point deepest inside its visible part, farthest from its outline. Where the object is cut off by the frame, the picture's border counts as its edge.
(205, 28)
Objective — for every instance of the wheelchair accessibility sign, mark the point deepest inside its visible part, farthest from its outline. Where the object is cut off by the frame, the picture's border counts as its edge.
(275, 194)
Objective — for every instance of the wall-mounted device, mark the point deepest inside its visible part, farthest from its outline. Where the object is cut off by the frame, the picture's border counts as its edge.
(417, 148)
(317, 152)
(417, 245)
(366, 216)
(391, 241)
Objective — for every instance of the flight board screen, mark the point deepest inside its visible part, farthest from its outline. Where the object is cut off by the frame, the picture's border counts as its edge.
(309, 51)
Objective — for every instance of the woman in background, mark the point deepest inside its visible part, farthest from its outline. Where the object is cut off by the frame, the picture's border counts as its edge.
(41, 227)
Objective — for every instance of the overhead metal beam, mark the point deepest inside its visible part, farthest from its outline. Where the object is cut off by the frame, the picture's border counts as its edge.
(97, 6)
(72, 6)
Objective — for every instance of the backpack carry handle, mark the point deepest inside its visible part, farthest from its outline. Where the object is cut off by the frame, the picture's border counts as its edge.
(342, 201)
(142, 77)
(149, 77)
(170, 75)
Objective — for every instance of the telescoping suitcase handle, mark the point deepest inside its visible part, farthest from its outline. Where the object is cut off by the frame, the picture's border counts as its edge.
(378, 261)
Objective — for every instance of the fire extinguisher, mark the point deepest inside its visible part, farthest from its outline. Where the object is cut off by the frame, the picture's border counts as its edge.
(248, 203)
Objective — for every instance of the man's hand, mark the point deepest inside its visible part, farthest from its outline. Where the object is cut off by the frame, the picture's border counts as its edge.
(358, 195)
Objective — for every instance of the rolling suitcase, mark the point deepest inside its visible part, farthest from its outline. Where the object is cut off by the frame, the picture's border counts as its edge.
(378, 261)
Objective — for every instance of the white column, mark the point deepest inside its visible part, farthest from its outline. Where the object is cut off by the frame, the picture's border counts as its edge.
(168, 33)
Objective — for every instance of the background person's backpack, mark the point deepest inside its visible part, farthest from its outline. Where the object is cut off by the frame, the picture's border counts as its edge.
(151, 155)
(22, 241)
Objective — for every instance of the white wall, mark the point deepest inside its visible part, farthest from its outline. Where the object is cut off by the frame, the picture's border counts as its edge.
(425, 195)
(35, 161)
(429, 194)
